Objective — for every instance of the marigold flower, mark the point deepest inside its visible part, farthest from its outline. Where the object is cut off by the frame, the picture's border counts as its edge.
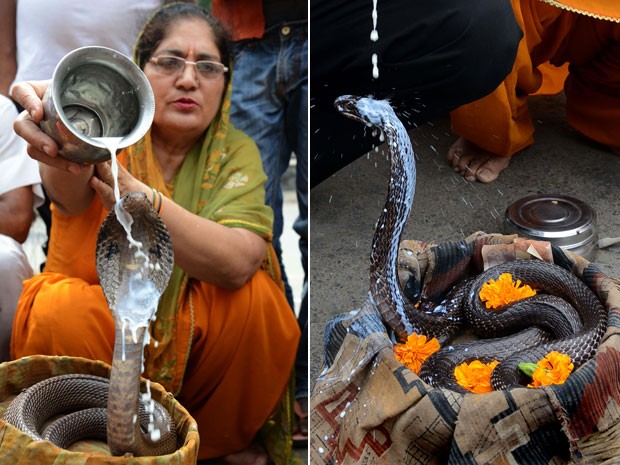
(475, 376)
(496, 293)
(554, 368)
(415, 351)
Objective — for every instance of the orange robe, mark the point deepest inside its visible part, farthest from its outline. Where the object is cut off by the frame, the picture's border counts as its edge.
(554, 37)
(243, 342)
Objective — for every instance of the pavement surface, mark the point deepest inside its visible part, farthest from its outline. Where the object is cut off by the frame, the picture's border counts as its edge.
(345, 207)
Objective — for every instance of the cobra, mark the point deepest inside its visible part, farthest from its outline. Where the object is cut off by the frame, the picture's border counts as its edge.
(109, 410)
(574, 325)
(397, 312)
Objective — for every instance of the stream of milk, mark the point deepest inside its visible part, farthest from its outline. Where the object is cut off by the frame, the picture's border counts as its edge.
(137, 306)
(374, 36)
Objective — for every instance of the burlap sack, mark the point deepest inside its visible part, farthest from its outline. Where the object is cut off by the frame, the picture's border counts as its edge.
(16, 448)
(368, 408)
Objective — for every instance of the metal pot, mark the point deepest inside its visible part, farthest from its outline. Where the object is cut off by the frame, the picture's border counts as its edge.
(562, 220)
(96, 92)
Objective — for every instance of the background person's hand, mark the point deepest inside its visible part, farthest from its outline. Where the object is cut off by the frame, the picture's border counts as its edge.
(41, 147)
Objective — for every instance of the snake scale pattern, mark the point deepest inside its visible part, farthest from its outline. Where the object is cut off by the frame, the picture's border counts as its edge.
(565, 316)
(94, 407)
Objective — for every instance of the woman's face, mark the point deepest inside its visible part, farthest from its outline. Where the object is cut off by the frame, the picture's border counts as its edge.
(185, 101)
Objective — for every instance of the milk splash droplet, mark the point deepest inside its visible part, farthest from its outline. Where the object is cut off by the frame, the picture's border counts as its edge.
(375, 68)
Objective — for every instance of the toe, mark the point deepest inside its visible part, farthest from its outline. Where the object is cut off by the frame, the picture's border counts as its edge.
(485, 175)
(455, 152)
(490, 170)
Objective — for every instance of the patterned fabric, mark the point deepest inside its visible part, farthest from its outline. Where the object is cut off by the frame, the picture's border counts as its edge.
(368, 408)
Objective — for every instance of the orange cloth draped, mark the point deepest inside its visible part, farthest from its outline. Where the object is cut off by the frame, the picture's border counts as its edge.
(553, 37)
(602, 9)
(227, 389)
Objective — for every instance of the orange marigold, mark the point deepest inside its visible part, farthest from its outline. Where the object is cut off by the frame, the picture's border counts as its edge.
(475, 376)
(554, 368)
(415, 351)
(496, 293)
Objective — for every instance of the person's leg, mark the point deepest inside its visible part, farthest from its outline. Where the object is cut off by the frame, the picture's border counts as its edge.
(57, 315)
(593, 86)
(432, 58)
(297, 133)
(14, 269)
(241, 359)
(497, 126)
(297, 130)
(258, 109)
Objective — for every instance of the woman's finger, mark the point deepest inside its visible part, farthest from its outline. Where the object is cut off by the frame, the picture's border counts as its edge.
(104, 173)
(105, 192)
(41, 147)
(29, 130)
(29, 95)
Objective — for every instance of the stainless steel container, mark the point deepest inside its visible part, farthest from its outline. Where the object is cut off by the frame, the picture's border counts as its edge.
(96, 92)
(564, 221)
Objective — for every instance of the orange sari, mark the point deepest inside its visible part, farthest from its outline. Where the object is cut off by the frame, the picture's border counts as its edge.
(584, 34)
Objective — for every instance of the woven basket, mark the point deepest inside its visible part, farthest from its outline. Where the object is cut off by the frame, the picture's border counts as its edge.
(16, 447)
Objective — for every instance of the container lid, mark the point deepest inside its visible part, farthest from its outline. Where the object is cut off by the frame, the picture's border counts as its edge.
(560, 219)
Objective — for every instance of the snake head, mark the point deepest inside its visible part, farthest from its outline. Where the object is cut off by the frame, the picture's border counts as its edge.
(347, 105)
(366, 110)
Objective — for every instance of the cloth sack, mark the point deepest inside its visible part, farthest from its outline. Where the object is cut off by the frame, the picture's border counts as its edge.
(369, 408)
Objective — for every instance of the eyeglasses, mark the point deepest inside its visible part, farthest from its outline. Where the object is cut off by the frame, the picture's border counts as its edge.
(171, 65)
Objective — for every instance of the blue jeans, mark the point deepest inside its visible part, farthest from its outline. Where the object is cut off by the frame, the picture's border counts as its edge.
(270, 104)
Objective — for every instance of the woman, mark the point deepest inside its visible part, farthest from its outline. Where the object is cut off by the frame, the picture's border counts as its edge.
(226, 336)
(431, 58)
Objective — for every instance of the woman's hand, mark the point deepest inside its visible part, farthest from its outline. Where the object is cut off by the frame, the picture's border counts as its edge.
(41, 147)
(103, 183)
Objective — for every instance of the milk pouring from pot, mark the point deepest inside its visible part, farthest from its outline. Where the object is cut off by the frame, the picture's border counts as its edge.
(95, 93)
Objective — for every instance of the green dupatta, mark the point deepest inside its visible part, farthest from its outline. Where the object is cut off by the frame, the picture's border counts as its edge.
(222, 180)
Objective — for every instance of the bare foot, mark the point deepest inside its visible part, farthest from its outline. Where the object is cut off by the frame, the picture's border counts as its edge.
(474, 163)
(254, 454)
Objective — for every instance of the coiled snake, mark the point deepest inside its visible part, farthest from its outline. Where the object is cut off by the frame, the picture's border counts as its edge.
(110, 409)
(572, 322)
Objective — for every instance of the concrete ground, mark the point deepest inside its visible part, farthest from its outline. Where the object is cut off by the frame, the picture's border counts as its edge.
(345, 207)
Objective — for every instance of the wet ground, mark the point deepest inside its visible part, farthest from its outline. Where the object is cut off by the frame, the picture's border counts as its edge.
(344, 208)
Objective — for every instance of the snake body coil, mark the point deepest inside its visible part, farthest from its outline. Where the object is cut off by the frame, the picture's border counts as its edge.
(94, 407)
(573, 322)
